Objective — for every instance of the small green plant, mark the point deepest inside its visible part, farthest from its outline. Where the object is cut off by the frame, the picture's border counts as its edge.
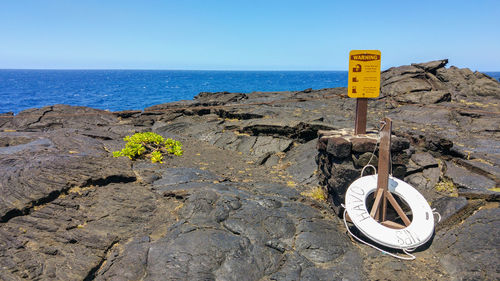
(447, 186)
(156, 156)
(149, 145)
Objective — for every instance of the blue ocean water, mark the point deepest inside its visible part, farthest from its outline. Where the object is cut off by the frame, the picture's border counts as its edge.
(137, 89)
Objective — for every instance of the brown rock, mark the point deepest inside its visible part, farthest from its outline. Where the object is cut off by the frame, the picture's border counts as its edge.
(322, 144)
(424, 159)
(432, 65)
(399, 171)
(361, 145)
(399, 144)
(362, 159)
(469, 184)
(400, 158)
(339, 147)
(425, 97)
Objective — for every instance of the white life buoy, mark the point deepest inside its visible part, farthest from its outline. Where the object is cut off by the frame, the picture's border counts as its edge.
(416, 234)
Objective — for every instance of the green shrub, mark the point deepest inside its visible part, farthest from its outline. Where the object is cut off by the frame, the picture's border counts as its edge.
(149, 145)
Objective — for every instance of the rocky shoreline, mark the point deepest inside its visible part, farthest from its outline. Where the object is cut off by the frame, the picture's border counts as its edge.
(235, 206)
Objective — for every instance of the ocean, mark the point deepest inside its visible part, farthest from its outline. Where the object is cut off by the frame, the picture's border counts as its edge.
(137, 89)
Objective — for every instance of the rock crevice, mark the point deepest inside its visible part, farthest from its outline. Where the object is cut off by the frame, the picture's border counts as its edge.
(243, 201)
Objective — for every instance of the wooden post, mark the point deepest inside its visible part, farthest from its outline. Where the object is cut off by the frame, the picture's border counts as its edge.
(384, 161)
(383, 194)
(383, 170)
(361, 109)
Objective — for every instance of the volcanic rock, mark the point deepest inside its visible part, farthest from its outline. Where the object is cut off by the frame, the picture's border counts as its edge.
(237, 204)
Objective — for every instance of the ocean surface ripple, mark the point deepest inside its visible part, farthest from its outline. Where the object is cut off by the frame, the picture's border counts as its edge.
(137, 89)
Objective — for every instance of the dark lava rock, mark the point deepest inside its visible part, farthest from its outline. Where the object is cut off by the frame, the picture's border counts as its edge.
(467, 251)
(59, 116)
(40, 170)
(448, 207)
(437, 143)
(231, 207)
(424, 160)
(363, 159)
(342, 175)
(207, 98)
(483, 167)
(431, 66)
(302, 164)
(137, 254)
(176, 176)
(425, 180)
(479, 193)
(338, 147)
(399, 171)
(311, 241)
(434, 77)
(399, 144)
(471, 185)
(252, 240)
(426, 97)
(361, 145)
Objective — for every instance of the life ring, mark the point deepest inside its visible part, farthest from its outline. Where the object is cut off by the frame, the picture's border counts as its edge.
(416, 234)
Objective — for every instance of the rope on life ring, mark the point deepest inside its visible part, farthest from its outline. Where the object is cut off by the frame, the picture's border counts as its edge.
(411, 257)
(417, 233)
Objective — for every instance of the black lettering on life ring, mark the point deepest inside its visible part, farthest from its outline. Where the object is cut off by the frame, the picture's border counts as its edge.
(364, 216)
(353, 189)
(358, 207)
(406, 238)
(357, 199)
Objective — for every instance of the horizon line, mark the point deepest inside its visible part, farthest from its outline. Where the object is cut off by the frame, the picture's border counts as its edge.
(208, 69)
(171, 69)
(166, 69)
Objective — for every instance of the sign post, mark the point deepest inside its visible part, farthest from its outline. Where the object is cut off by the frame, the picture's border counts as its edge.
(363, 83)
(361, 111)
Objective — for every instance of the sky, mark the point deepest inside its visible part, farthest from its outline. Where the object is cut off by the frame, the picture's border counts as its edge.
(245, 35)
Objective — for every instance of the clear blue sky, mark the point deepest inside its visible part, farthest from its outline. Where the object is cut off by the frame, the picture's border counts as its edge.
(250, 34)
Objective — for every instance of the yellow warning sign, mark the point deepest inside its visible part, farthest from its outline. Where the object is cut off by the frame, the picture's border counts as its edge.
(364, 74)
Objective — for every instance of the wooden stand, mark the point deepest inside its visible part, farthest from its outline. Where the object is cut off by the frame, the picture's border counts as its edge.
(361, 110)
(379, 208)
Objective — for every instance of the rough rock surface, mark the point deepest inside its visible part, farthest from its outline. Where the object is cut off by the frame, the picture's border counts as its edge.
(235, 205)
(466, 251)
(339, 165)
